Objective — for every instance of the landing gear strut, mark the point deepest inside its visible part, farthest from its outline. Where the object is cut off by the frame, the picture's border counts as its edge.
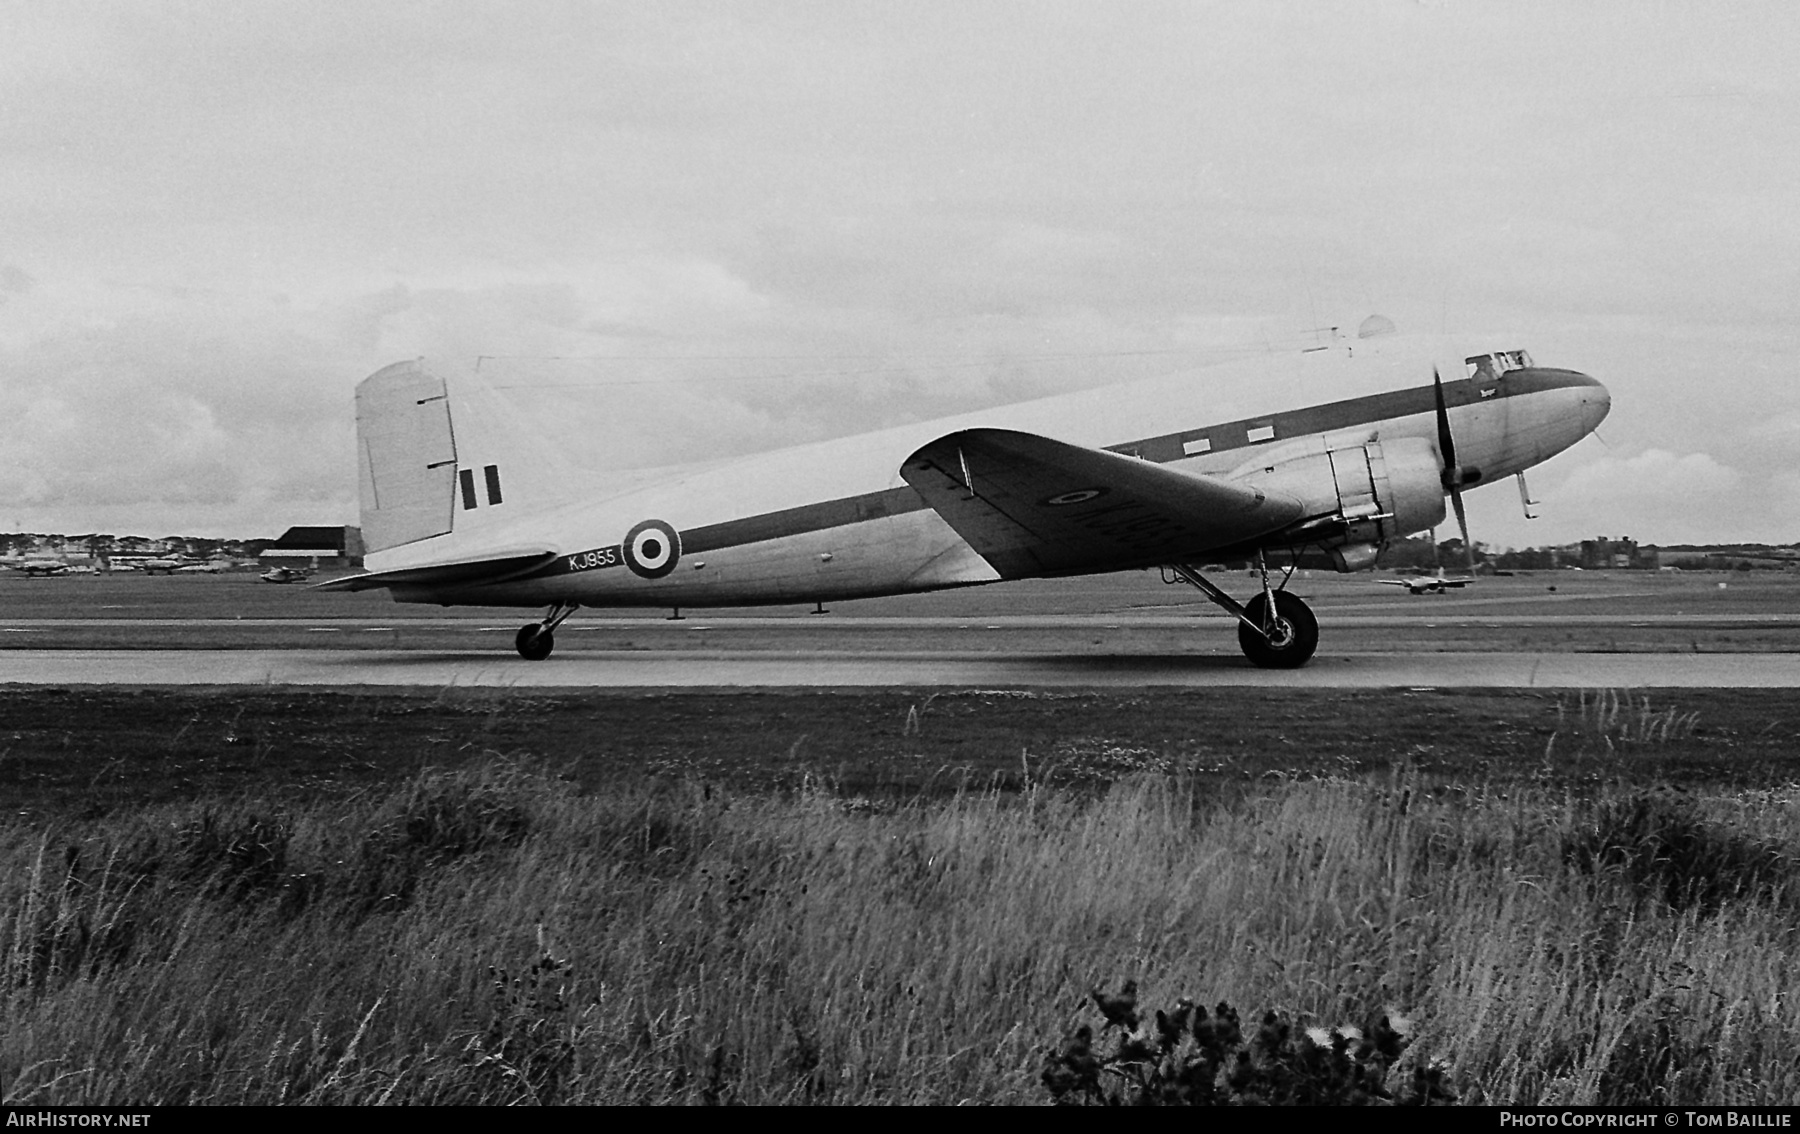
(1276, 630)
(535, 640)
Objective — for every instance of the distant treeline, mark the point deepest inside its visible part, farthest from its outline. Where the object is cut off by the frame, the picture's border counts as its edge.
(1418, 552)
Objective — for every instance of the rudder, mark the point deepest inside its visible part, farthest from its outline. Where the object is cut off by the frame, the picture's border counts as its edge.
(406, 456)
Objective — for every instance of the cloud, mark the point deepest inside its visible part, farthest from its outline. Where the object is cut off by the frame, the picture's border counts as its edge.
(755, 225)
(176, 421)
(209, 408)
(14, 280)
(1659, 496)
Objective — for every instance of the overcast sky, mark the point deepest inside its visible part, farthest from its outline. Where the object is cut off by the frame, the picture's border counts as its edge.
(743, 225)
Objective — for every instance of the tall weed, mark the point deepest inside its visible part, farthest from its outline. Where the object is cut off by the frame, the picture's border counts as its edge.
(496, 936)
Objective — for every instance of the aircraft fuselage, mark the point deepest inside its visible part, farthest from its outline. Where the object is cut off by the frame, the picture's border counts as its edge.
(836, 520)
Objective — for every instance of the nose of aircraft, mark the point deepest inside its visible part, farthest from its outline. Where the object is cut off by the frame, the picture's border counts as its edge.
(1571, 406)
(1596, 403)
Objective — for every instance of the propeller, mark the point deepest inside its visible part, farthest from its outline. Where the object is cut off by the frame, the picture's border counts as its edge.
(1453, 474)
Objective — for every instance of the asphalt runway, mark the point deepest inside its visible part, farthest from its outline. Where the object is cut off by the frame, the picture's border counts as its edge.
(1185, 619)
(601, 669)
(1549, 630)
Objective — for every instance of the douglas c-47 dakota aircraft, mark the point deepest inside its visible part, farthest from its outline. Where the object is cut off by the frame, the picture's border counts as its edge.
(1315, 459)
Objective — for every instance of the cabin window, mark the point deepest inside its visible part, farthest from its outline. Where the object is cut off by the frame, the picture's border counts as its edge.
(1197, 446)
(1258, 433)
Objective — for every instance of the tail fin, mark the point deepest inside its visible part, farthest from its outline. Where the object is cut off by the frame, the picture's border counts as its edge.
(440, 454)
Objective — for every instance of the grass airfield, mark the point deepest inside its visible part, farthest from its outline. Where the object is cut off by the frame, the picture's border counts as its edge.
(260, 895)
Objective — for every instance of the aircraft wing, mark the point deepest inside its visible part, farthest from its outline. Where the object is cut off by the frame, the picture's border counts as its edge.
(463, 573)
(1034, 506)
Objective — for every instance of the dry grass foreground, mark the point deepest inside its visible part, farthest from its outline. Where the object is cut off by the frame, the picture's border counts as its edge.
(496, 936)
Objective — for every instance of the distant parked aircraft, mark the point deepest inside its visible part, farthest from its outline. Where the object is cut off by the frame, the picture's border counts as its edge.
(1313, 459)
(1437, 584)
(40, 567)
(1430, 584)
(285, 575)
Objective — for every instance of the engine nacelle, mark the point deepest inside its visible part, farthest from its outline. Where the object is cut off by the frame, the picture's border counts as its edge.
(1359, 494)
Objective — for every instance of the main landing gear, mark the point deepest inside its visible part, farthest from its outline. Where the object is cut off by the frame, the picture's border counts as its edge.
(1276, 630)
(535, 640)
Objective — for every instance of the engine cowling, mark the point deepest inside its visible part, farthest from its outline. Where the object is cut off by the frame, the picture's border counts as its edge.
(1357, 496)
(1343, 559)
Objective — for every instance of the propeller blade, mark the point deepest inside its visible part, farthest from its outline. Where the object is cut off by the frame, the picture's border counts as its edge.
(1462, 523)
(1453, 473)
(1446, 443)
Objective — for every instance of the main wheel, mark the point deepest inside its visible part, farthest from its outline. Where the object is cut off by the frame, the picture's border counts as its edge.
(534, 642)
(1291, 640)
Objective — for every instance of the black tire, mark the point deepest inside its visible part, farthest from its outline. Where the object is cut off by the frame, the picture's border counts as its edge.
(534, 642)
(1295, 637)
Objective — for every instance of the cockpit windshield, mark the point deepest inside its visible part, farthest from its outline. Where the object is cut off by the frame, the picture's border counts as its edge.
(1489, 367)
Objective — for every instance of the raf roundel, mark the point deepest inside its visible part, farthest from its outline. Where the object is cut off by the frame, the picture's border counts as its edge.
(1079, 496)
(652, 549)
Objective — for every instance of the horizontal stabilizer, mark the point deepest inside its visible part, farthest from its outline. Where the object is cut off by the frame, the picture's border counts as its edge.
(470, 573)
(1032, 506)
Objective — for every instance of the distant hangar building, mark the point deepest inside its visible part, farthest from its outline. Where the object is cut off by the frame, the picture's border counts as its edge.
(314, 547)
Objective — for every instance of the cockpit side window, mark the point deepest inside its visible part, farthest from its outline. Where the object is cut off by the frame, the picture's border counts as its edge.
(1489, 367)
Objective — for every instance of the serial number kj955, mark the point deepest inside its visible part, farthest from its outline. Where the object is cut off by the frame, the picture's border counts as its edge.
(595, 559)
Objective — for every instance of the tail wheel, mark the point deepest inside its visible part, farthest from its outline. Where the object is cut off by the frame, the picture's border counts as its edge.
(1292, 637)
(534, 642)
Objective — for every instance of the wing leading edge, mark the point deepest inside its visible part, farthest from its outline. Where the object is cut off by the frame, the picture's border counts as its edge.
(1032, 506)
